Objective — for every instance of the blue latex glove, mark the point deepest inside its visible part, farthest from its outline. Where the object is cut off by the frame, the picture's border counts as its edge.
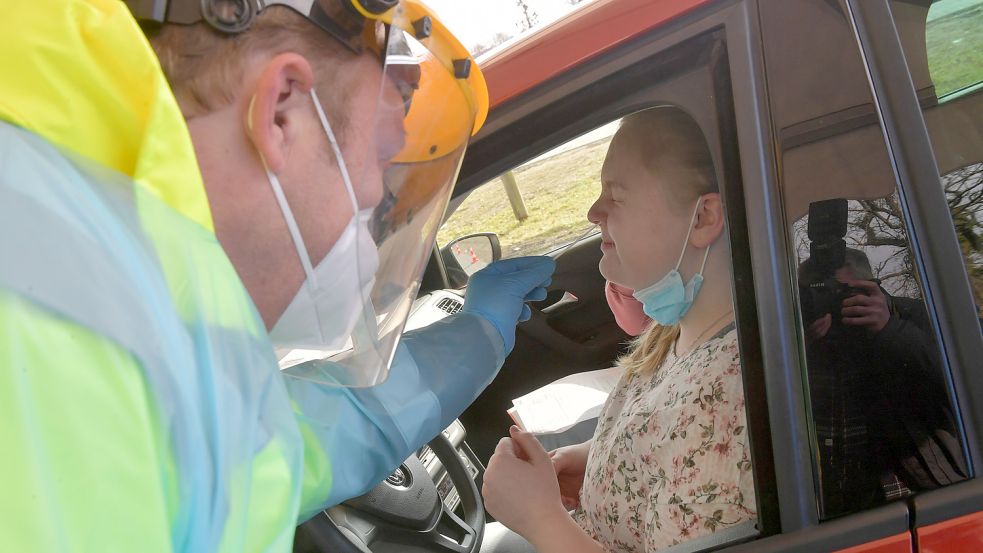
(499, 292)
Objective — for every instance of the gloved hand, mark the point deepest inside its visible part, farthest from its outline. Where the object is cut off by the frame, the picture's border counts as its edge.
(499, 292)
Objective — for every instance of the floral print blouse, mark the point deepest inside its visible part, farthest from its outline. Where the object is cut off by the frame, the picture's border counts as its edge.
(670, 459)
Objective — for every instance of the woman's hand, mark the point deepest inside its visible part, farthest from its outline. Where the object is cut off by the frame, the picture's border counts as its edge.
(570, 464)
(521, 489)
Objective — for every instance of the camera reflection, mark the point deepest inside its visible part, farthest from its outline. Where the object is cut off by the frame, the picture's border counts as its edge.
(883, 423)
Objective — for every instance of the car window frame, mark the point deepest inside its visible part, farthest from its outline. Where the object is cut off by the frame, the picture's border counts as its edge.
(790, 521)
(935, 246)
(525, 120)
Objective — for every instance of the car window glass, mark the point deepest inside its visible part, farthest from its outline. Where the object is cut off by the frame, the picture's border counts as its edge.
(883, 425)
(540, 205)
(943, 46)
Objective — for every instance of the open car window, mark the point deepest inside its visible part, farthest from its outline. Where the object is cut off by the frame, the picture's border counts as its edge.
(540, 205)
(565, 141)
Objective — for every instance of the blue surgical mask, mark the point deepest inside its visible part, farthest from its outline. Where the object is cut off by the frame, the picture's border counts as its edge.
(668, 300)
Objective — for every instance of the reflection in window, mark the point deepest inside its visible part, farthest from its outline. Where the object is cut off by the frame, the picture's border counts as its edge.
(964, 193)
(877, 387)
(943, 46)
(876, 228)
(878, 395)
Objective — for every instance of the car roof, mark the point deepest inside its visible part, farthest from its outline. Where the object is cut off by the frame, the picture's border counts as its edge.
(581, 35)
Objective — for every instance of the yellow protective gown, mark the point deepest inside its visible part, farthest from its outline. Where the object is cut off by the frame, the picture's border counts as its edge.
(141, 407)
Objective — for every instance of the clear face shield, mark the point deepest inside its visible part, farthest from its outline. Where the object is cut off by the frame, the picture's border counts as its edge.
(345, 323)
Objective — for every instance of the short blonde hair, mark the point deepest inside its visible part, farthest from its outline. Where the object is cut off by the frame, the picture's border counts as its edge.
(664, 136)
(204, 66)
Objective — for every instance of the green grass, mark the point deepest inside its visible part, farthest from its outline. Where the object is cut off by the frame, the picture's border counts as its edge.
(955, 49)
(557, 192)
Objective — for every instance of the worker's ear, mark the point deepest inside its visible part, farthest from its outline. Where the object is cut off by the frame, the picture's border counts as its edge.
(279, 103)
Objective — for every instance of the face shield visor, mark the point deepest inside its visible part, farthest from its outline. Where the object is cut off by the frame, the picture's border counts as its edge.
(358, 298)
(344, 324)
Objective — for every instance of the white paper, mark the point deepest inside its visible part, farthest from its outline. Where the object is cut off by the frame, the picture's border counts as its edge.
(565, 402)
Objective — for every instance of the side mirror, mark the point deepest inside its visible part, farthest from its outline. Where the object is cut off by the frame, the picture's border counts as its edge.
(469, 254)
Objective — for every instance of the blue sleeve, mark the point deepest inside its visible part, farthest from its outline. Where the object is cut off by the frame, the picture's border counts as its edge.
(364, 434)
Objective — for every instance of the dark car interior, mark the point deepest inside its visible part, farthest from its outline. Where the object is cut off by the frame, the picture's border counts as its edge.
(432, 501)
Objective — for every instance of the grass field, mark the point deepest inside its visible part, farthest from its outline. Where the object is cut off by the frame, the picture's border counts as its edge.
(559, 190)
(955, 49)
(557, 193)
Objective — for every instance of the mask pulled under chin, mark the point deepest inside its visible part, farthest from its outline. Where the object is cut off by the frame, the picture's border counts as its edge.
(668, 300)
(326, 308)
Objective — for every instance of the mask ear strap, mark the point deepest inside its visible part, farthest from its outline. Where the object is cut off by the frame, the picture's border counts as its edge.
(337, 151)
(705, 257)
(692, 220)
(288, 214)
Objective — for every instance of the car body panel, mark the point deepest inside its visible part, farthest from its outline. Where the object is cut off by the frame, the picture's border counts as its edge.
(900, 543)
(964, 533)
(569, 42)
(535, 75)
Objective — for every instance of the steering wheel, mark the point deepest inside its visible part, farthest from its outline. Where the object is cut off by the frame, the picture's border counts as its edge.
(403, 513)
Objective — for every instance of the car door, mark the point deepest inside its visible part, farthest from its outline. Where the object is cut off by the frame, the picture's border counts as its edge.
(939, 154)
(848, 119)
(686, 68)
(804, 101)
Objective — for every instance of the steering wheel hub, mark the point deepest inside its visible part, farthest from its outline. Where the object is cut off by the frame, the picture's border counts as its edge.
(403, 513)
(400, 478)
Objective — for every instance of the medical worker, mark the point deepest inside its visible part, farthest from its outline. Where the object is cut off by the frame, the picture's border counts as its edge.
(253, 171)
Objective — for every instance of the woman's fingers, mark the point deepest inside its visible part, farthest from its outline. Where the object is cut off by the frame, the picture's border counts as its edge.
(528, 446)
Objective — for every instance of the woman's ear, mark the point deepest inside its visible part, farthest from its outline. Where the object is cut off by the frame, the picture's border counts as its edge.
(709, 223)
(279, 98)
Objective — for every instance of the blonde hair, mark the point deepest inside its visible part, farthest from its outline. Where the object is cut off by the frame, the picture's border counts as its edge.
(205, 67)
(667, 137)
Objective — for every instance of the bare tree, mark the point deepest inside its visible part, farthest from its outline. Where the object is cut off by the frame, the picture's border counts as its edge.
(481, 48)
(529, 16)
(879, 225)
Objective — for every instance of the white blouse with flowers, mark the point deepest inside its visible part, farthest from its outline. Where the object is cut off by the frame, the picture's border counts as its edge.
(670, 459)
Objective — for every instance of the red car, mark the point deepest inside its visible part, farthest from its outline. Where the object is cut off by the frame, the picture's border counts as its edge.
(875, 105)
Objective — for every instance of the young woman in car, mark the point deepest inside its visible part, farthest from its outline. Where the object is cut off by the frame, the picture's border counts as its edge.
(669, 461)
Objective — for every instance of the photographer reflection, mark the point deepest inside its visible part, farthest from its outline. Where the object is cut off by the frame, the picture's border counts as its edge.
(881, 410)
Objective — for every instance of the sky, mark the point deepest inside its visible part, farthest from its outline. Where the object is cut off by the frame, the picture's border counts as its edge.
(477, 21)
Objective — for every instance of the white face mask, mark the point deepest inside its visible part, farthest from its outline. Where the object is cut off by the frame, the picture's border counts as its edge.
(326, 308)
(324, 311)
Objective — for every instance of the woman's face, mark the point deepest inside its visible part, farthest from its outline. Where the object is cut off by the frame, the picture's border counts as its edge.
(642, 224)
